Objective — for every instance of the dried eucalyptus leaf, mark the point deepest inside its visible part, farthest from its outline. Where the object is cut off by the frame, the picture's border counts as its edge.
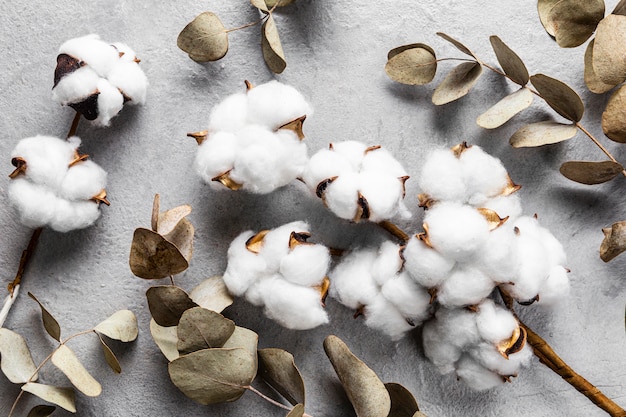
(213, 376)
(511, 63)
(278, 370)
(110, 357)
(505, 109)
(542, 133)
(590, 173)
(609, 50)
(16, 361)
(260, 4)
(167, 303)
(200, 328)
(182, 237)
(153, 257)
(620, 8)
(244, 338)
(212, 294)
(121, 325)
(366, 392)
(271, 47)
(61, 396)
(414, 64)
(559, 96)
(614, 116)
(575, 21)
(614, 241)
(166, 339)
(457, 83)
(67, 362)
(457, 44)
(41, 411)
(49, 322)
(169, 219)
(296, 411)
(544, 7)
(154, 220)
(204, 39)
(594, 83)
(281, 3)
(403, 403)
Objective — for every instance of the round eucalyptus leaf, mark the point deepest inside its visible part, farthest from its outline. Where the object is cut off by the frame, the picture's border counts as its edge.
(505, 109)
(167, 303)
(278, 369)
(200, 328)
(122, 326)
(153, 257)
(403, 403)
(574, 21)
(594, 83)
(609, 50)
(181, 236)
(614, 116)
(511, 63)
(457, 83)
(542, 133)
(166, 339)
(590, 172)
(212, 294)
(614, 242)
(544, 7)
(414, 64)
(61, 396)
(559, 96)
(169, 219)
(205, 38)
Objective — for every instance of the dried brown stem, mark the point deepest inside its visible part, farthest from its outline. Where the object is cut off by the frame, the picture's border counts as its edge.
(272, 401)
(26, 255)
(395, 231)
(74, 126)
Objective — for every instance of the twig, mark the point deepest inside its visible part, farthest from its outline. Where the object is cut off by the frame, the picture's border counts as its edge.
(395, 231)
(272, 401)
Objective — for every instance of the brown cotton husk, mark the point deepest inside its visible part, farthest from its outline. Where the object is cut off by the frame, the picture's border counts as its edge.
(199, 136)
(493, 219)
(323, 290)
(88, 107)
(101, 198)
(255, 243)
(514, 344)
(298, 238)
(362, 210)
(227, 181)
(614, 242)
(20, 167)
(66, 65)
(295, 126)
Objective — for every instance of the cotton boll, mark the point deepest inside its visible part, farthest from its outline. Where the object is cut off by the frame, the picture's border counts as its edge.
(381, 160)
(83, 181)
(276, 243)
(437, 349)
(483, 173)
(455, 230)
(72, 215)
(110, 102)
(294, 156)
(323, 165)
(465, 286)
(477, 376)
(487, 355)
(274, 104)
(76, 86)
(352, 151)
(532, 271)
(554, 248)
(351, 281)
(494, 323)
(556, 287)
(215, 156)
(47, 158)
(458, 326)
(506, 206)
(229, 115)
(412, 300)
(130, 80)
(34, 203)
(341, 195)
(380, 314)
(96, 53)
(425, 265)
(498, 259)
(305, 265)
(383, 194)
(388, 262)
(441, 177)
(125, 52)
(244, 267)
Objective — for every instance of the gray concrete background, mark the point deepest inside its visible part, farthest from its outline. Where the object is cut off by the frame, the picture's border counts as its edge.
(336, 52)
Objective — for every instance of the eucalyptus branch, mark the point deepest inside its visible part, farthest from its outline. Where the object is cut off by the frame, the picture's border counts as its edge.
(272, 401)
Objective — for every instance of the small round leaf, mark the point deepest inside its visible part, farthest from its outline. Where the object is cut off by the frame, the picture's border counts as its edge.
(505, 109)
(559, 96)
(204, 39)
(511, 63)
(200, 328)
(122, 326)
(542, 133)
(278, 369)
(271, 47)
(167, 303)
(544, 7)
(168, 220)
(614, 116)
(414, 64)
(153, 257)
(16, 361)
(67, 362)
(166, 339)
(609, 50)
(244, 338)
(457, 83)
(212, 294)
(590, 173)
(594, 83)
(182, 237)
(574, 21)
(614, 241)
(63, 397)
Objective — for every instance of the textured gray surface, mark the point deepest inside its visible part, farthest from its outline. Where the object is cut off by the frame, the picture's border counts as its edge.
(336, 52)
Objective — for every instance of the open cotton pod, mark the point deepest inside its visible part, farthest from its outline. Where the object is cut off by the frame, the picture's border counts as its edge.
(254, 141)
(53, 185)
(96, 78)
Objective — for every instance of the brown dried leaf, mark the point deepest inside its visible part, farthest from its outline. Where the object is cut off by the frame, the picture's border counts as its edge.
(182, 237)
(590, 173)
(403, 404)
(614, 116)
(167, 303)
(296, 411)
(457, 44)
(153, 257)
(559, 96)
(121, 325)
(244, 338)
(109, 356)
(544, 7)
(16, 361)
(260, 4)
(609, 50)
(212, 294)
(510, 62)
(614, 241)
(204, 39)
(505, 109)
(594, 83)
(574, 21)
(166, 339)
(620, 8)
(414, 64)
(67, 362)
(200, 328)
(542, 133)
(271, 47)
(281, 3)
(168, 220)
(41, 411)
(366, 392)
(49, 322)
(278, 370)
(156, 209)
(63, 397)
(457, 83)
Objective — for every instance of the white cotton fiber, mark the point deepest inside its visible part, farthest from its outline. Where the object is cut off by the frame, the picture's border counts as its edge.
(47, 158)
(437, 348)
(425, 265)
(388, 262)
(381, 160)
(215, 156)
(382, 315)
(532, 270)
(351, 281)
(556, 287)
(465, 286)
(99, 55)
(441, 177)
(230, 115)
(34, 203)
(71, 215)
(411, 299)
(477, 376)
(244, 267)
(494, 323)
(274, 104)
(483, 174)
(498, 259)
(276, 242)
(352, 150)
(83, 181)
(487, 355)
(130, 80)
(125, 52)
(75, 88)
(383, 194)
(458, 326)
(341, 195)
(305, 265)
(506, 206)
(110, 102)
(322, 166)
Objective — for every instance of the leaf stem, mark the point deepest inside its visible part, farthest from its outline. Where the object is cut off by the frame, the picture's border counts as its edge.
(272, 401)
(269, 13)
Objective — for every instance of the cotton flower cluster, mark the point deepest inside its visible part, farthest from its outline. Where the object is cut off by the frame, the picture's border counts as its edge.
(254, 139)
(280, 270)
(373, 283)
(53, 185)
(357, 182)
(97, 78)
(485, 345)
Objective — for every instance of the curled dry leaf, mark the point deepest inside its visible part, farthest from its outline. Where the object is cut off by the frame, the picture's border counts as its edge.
(590, 173)
(67, 362)
(168, 220)
(213, 376)
(278, 369)
(166, 339)
(16, 361)
(614, 116)
(41, 411)
(614, 241)
(260, 4)
(121, 325)
(366, 392)
(457, 83)
(182, 237)
(271, 47)
(153, 257)
(574, 21)
(296, 411)
(167, 303)
(559, 96)
(154, 219)
(542, 133)
(510, 62)
(609, 49)
(505, 109)
(200, 328)
(49, 322)
(594, 83)
(212, 294)
(110, 357)
(457, 44)
(544, 7)
(403, 403)
(414, 64)
(204, 39)
(61, 396)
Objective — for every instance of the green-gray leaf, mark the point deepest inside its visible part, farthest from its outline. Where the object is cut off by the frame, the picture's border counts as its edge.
(594, 83)
(167, 303)
(457, 83)
(510, 62)
(609, 50)
(559, 96)
(271, 47)
(16, 361)
(296, 411)
(204, 39)
(153, 257)
(542, 133)
(166, 339)
(414, 64)
(49, 322)
(200, 328)
(61, 396)
(278, 369)
(574, 21)
(590, 173)
(212, 294)
(544, 7)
